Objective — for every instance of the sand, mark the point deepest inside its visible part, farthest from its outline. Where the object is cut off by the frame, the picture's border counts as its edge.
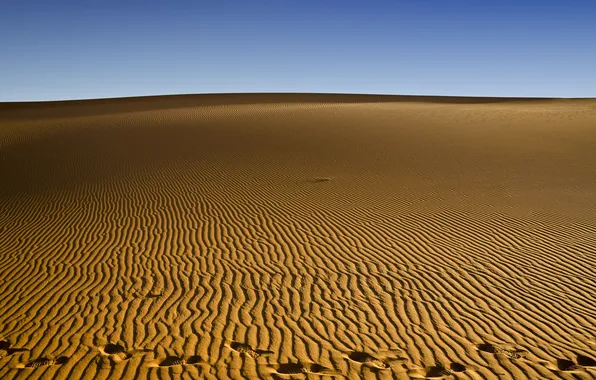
(298, 236)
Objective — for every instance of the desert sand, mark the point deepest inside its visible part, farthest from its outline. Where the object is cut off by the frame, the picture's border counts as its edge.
(314, 236)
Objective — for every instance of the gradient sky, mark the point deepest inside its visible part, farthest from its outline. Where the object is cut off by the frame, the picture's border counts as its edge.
(73, 49)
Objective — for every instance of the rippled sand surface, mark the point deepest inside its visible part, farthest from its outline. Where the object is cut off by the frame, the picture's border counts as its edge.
(298, 236)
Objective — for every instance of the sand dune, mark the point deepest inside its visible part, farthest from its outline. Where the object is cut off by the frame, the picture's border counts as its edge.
(298, 236)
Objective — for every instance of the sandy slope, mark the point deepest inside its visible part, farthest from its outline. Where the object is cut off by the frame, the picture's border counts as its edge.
(245, 236)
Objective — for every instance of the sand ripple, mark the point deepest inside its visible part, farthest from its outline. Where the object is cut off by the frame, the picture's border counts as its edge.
(260, 237)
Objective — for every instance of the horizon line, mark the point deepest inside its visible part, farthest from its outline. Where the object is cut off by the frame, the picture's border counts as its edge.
(421, 96)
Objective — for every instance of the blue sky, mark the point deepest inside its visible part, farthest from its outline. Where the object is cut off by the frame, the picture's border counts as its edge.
(92, 49)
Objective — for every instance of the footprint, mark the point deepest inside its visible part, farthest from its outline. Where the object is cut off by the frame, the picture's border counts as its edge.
(4, 346)
(568, 366)
(457, 368)
(152, 294)
(586, 361)
(43, 362)
(290, 369)
(510, 353)
(171, 361)
(368, 359)
(7, 350)
(438, 371)
(303, 368)
(247, 350)
(117, 352)
(317, 368)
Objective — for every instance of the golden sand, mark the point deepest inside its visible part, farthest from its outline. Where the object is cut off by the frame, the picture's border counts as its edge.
(298, 236)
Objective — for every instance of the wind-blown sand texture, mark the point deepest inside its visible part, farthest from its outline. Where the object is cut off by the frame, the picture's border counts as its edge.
(298, 236)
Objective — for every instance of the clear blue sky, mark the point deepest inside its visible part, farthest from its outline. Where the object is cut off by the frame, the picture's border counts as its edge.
(72, 49)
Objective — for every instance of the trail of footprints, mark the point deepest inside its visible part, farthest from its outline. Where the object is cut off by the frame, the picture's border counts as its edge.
(565, 365)
(560, 365)
(117, 353)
